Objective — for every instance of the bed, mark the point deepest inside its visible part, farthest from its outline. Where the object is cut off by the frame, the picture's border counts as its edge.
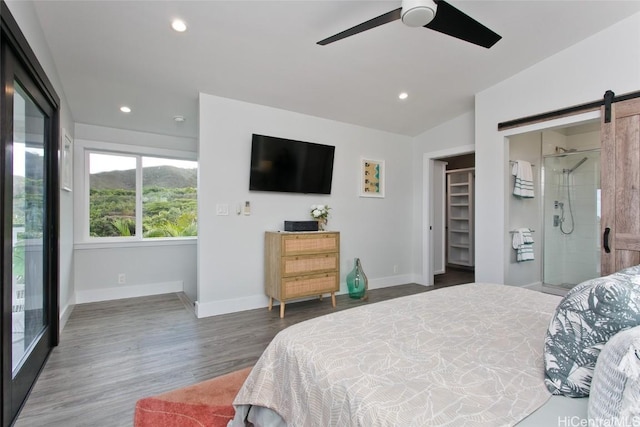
(465, 355)
(474, 355)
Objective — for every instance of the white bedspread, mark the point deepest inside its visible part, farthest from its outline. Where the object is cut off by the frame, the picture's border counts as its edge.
(465, 355)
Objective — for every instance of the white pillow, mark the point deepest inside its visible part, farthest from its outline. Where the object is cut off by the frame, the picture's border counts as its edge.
(615, 388)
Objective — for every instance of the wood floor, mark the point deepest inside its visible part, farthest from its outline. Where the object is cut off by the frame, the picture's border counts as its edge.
(454, 276)
(113, 353)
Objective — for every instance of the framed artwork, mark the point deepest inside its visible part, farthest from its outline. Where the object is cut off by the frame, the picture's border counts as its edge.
(372, 178)
(66, 161)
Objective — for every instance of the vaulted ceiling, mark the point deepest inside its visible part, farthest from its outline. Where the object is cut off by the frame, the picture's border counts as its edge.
(114, 53)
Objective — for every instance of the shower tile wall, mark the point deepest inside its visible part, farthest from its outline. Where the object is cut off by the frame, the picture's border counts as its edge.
(572, 258)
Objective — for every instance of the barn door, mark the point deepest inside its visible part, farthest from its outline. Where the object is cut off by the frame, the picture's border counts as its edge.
(620, 181)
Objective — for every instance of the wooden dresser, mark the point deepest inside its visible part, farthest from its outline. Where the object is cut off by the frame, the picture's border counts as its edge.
(301, 264)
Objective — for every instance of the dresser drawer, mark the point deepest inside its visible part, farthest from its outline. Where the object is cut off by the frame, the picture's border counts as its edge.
(317, 284)
(309, 264)
(301, 265)
(309, 243)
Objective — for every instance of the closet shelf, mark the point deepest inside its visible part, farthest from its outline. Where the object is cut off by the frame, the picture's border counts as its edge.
(460, 228)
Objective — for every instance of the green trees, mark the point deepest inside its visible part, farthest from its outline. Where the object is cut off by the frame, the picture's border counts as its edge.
(166, 212)
(169, 203)
(111, 210)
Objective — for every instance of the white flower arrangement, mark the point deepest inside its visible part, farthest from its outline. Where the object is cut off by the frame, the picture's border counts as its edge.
(321, 214)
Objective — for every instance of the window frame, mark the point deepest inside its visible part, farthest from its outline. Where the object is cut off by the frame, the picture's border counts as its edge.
(83, 150)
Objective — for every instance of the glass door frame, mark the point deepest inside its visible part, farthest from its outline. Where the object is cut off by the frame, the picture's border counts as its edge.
(572, 157)
(20, 63)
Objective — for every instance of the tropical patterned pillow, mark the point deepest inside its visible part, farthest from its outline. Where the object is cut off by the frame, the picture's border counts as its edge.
(585, 319)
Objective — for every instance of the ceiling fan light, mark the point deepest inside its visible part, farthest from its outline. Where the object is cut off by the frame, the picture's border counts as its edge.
(418, 13)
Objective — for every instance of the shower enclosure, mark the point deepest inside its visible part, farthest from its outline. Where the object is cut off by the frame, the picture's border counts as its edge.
(571, 185)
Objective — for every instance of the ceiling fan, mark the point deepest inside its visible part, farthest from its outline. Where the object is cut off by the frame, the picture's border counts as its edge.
(437, 15)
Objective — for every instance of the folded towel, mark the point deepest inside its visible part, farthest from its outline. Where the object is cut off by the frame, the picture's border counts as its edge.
(522, 242)
(523, 186)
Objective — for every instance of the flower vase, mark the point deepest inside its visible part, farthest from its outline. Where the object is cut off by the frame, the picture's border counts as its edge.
(357, 281)
(322, 224)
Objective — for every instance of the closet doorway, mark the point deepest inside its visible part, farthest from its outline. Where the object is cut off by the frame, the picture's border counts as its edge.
(453, 256)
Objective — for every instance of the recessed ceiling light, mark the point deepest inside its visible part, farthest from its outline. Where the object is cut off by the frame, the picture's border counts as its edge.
(179, 119)
(179, 25)
(125, 109)
(403, 95)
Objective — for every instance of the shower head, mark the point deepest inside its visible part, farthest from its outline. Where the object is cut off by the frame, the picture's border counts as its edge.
(576, 166)
(565, 150)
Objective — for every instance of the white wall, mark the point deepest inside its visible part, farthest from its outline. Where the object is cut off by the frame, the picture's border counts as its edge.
(27, 20)
(231, 254)
(135, 138)
(382, 232)
(525, 212)
(149, 270)
(448, 139)
(150, 267)
(579, 74)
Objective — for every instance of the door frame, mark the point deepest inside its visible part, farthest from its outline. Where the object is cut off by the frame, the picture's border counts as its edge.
(428, 203)
(439, 216)
(539, 126)
(12, 40)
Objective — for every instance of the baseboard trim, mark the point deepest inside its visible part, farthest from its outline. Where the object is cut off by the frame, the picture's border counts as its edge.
(108, 294)
(65, 314)
(215, 308)
(534, 285)
(385, 282)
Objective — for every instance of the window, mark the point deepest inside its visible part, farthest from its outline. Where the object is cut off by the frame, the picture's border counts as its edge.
(136, 197)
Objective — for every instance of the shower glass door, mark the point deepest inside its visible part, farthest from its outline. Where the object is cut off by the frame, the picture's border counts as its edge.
(571, 218)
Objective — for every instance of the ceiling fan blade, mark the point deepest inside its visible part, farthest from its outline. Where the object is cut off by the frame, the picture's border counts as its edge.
(394, 15)
(454, 23)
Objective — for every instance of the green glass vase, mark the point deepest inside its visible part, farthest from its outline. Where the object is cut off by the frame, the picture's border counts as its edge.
(357, 281)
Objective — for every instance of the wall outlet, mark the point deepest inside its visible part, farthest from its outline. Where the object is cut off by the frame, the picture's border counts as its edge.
(122, 279)
(395, 268)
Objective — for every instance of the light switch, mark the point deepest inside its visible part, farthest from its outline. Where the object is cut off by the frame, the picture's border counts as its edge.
(222, 209)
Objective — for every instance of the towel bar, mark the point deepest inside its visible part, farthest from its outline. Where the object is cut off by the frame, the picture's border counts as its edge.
(513, 162)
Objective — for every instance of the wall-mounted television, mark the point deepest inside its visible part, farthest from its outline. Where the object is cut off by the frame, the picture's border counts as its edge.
(289, 166)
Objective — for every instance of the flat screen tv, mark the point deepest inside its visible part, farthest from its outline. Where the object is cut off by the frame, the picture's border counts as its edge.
(289, 166)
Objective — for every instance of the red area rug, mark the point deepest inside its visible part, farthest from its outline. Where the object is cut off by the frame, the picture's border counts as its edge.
(208, 403)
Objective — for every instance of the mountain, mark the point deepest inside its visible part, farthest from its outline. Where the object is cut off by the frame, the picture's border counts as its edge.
(154, 176)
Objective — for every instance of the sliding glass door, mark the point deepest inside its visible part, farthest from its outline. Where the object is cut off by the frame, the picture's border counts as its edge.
(29, 227)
